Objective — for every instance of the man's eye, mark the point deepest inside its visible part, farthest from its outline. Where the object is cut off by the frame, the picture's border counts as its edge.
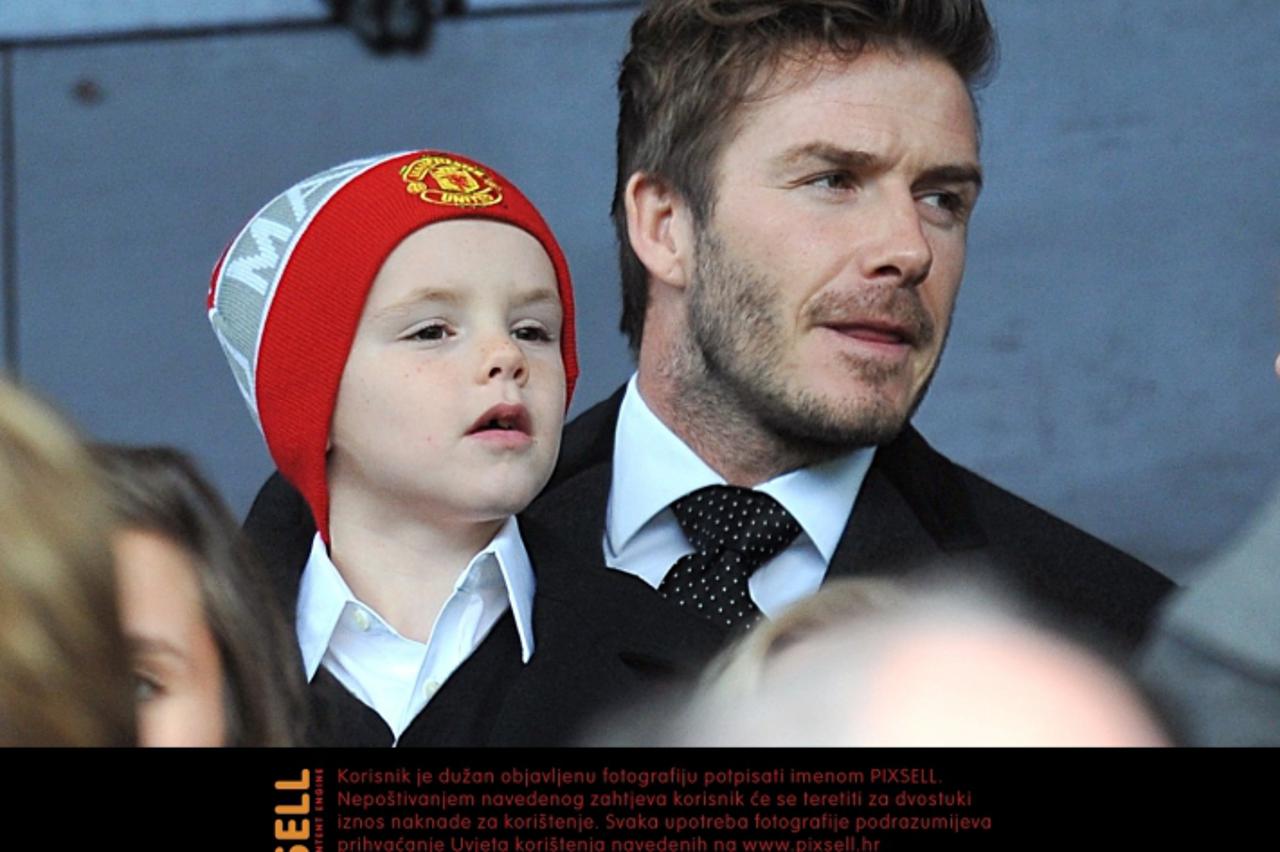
(531, 333)
(430, 331)
(833, 180)
(948, 201)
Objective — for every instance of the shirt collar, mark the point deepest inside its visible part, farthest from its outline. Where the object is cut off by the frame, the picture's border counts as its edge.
(652, 467)
(323, 594)
(517, 573)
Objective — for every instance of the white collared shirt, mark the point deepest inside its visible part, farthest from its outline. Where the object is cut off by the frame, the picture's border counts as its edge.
(652, 467)
(390, 673)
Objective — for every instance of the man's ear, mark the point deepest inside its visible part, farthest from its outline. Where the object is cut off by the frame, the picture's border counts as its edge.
(660, 228)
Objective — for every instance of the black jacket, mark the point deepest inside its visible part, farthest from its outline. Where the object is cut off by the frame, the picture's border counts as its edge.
(602, 635)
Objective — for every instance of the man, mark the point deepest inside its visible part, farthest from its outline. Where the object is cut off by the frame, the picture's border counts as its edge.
(794, 186)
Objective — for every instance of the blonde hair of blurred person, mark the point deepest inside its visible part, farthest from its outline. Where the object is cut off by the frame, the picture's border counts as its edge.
(64, 664)
(737, 672)
(215, 661)
(949, 667)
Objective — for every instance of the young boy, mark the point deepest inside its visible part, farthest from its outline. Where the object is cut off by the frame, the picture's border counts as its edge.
(402, 330)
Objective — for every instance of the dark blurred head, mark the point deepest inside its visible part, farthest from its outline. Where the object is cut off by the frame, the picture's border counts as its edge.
(215, 659)
(64, 666)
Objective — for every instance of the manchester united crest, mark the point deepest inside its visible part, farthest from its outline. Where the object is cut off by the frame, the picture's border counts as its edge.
(444, 180)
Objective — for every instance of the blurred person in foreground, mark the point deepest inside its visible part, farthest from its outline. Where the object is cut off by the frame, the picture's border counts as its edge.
(64, 664)
(870, 663)
(1214, 661)
(213, 657)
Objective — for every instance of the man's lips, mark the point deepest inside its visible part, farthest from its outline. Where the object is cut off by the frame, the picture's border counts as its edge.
(504, 418)
(881, 332)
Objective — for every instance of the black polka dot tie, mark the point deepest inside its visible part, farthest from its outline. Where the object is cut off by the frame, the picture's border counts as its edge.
(733, 531)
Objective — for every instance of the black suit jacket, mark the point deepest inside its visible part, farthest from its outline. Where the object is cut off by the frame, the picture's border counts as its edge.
(916, 510)
(602, 635)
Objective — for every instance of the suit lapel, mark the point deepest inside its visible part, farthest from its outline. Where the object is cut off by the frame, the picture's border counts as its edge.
(911, 509)
(618, 614)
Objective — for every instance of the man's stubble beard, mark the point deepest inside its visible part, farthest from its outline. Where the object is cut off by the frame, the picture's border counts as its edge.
(734, 365)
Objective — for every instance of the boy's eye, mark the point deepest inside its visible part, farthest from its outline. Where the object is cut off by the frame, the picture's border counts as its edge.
(531, 333)
(428, 332)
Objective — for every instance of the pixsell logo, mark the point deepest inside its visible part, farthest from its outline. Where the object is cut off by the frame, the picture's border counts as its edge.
(295, 805)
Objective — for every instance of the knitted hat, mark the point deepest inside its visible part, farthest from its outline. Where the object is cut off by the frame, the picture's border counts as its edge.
(288, 292)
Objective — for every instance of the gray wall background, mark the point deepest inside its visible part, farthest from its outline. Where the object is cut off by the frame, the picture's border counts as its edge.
(1112, 349)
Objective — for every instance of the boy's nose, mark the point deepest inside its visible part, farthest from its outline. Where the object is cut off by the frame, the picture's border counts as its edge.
(505, 359)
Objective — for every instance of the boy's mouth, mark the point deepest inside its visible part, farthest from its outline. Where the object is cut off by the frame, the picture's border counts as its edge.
(504, 417)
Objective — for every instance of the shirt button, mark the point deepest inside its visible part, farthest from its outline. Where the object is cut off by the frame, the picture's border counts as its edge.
(361, 618)
(430, 687)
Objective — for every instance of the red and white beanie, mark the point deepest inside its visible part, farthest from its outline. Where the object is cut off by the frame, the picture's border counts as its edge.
(287, 294)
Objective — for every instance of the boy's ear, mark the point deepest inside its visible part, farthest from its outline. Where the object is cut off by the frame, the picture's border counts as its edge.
(660, 228)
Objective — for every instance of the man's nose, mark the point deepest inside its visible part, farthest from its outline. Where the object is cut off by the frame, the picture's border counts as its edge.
(897, 250)
(503, 358)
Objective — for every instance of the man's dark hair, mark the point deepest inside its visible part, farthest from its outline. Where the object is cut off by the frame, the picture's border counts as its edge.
(693, 63)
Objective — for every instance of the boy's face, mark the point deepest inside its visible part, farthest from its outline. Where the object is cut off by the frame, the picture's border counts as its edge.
(453, 396)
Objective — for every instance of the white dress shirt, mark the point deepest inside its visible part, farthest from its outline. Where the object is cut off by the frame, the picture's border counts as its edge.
(394, 675)
(652, 468)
